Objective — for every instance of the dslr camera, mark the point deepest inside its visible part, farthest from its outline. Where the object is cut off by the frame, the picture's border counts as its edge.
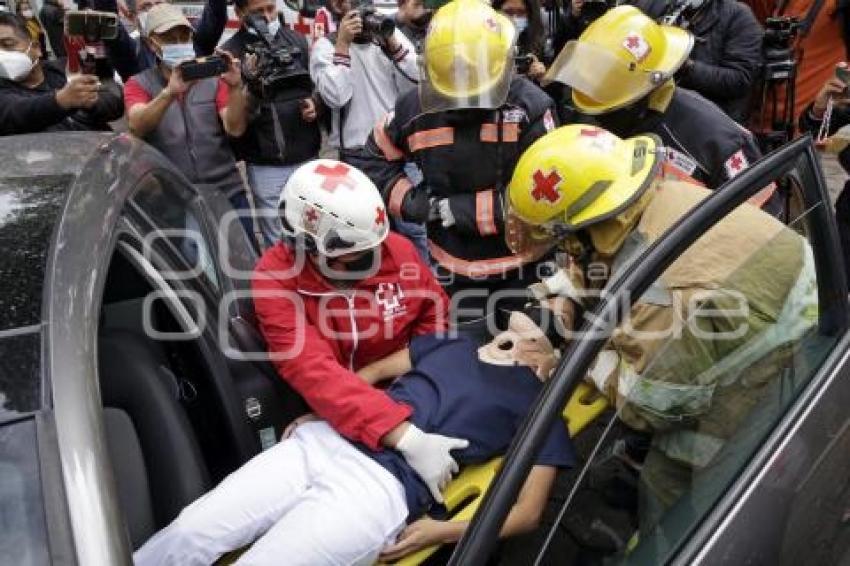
(376, 26)
(85, 31)
(278, 64)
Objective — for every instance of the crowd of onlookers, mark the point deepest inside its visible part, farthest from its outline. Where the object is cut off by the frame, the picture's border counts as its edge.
(344, 78)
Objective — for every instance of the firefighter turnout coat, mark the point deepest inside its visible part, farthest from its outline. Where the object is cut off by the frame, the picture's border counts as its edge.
(466, 157)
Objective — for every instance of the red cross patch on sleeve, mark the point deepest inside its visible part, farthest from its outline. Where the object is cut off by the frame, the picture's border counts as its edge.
(735, 164)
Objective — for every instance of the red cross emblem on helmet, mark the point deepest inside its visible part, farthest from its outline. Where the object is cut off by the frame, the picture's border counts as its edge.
(635, 44)
(335, 176)
(380, 216)
(311, 219)
(546, 186)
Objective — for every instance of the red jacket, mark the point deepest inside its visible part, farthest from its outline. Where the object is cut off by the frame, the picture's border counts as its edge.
(320, 335)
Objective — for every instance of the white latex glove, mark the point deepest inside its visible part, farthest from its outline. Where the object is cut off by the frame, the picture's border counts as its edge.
(429, 455)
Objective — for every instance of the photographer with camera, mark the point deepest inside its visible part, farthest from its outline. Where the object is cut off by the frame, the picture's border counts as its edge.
(130, 56)
(527, 20)
(359, 73)
(36, 96)
(282, 131)
(188, 120)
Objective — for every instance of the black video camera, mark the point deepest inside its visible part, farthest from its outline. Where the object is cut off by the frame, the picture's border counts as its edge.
(778, 91)
(376, 26)
(278, 65)
(780, 32)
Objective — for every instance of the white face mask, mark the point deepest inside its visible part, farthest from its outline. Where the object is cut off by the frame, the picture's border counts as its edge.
(15, 65)
(274, 27)
(520, 23)
(26, 13)
(175, 53)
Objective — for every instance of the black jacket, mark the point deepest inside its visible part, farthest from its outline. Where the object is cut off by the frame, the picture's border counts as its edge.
(703, 138)
(465, 156)
(31, 110)
(727, 56)
(276, 134)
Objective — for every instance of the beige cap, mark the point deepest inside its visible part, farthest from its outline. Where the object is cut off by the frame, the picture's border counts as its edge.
(164, 17)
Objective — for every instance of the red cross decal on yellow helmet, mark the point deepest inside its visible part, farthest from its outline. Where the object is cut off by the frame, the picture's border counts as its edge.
(635, 44)
(546, 186)
(335, 176)
(380, 216)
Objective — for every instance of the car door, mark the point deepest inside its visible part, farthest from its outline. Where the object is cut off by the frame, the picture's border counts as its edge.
(763, 425)
(212, 262)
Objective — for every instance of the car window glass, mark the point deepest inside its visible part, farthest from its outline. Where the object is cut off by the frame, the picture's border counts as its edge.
(700, 371)
(171, 208)
(23, 537)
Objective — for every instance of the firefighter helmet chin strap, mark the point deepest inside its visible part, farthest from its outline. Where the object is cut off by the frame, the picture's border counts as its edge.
(661, 97)
(608, 236)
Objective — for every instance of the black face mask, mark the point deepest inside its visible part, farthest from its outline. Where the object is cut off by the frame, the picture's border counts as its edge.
(361, 268)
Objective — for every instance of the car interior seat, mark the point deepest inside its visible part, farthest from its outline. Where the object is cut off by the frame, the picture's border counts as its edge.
(141, 398)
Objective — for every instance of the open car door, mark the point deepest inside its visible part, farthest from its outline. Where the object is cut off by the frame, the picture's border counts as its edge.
(746, 474)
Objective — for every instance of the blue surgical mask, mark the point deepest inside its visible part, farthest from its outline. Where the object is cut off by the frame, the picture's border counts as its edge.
(175, 53)
(520, 23)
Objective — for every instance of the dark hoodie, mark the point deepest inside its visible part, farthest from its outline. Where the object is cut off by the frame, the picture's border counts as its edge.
(25, 110)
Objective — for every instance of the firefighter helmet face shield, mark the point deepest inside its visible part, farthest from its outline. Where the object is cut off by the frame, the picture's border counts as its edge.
(524, 238)
(596, 74)
(467, 61)
(619, 59)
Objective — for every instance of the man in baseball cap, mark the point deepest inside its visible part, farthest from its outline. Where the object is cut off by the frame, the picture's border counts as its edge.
(178, 117)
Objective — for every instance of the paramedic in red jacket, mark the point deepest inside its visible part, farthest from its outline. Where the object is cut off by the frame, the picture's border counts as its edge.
(340, 292)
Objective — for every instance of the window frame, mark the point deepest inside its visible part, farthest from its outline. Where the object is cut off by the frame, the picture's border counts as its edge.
(481, 537)
(145, 224)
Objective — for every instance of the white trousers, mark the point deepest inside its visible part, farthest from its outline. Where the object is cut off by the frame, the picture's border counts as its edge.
(312, 499)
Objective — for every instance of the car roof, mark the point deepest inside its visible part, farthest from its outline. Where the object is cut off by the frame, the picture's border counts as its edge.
(49, 153)
(36, 174)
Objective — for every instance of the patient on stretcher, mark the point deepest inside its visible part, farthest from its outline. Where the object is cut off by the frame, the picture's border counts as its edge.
(315, 498)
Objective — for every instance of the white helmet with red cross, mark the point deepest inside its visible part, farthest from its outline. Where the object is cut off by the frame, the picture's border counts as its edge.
(333, 209)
